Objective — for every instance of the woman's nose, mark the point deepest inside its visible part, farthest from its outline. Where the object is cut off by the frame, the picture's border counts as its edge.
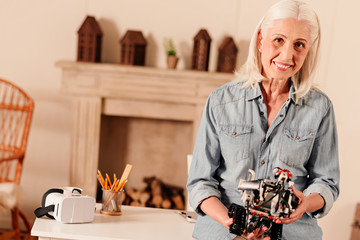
(287, 51)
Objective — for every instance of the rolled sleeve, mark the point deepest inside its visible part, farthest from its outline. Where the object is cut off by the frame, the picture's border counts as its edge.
(199, 193)
(324, 170)
(326, 194)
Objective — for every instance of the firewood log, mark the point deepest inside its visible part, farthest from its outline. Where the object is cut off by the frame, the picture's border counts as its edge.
(144, 197)
(135, 203)
(178, 201)
(157, 200)
(156, 188)
(134, 194)
(166, 203)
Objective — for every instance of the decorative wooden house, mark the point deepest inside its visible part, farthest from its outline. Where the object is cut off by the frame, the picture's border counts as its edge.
(133, 48)
(201, 51)
(89, 41)
(227, 56)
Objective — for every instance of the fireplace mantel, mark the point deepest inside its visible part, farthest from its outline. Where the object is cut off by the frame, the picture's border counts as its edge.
(127, 91)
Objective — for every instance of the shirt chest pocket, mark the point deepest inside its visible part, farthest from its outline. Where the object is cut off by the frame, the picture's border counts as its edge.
(296, 146)
(235, 141)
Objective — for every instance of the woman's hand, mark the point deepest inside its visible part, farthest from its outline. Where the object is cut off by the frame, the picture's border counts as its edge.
(257, 233)
(309, 203)
(227, 223)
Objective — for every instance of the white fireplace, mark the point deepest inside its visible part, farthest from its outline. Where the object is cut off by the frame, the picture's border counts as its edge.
(159, 107)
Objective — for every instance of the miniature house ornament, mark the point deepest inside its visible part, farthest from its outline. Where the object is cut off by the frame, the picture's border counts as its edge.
(89, 41)
(227, 56)
(201, 51)
(133, 48)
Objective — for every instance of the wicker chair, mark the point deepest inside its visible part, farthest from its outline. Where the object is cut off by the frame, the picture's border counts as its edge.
(16, 109)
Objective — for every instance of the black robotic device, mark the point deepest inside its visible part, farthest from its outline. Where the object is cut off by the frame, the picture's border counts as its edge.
(265, 200)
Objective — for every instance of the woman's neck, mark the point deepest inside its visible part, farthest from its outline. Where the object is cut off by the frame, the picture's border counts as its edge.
(273, 87)
(275, 93)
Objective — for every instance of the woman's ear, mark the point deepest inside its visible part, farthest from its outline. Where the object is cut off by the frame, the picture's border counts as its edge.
(259, 41)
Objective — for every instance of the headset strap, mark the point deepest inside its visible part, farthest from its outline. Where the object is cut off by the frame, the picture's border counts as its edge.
(44, 210)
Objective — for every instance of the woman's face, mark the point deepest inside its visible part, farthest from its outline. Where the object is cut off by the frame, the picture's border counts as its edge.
(284, 46)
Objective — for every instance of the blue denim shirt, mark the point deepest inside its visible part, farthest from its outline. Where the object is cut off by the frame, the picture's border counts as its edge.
(233, 137)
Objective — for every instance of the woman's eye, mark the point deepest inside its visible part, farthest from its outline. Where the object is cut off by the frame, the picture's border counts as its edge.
(278, 40)
(299, 45)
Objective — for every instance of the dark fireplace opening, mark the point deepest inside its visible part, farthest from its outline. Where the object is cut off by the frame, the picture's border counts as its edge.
(156, 148)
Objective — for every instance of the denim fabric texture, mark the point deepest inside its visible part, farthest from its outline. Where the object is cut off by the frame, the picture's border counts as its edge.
(233, 137)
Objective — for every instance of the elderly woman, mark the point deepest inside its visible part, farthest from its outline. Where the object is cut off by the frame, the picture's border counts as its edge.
(270, 116)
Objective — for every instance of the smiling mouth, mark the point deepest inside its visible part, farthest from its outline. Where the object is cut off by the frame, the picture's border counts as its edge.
(282, 66)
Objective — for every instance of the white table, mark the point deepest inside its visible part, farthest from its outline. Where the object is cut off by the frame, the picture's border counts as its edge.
(134, 223)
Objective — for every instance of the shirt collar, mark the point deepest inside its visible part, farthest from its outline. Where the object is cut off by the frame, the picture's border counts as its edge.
(255, 92)
(292, 95)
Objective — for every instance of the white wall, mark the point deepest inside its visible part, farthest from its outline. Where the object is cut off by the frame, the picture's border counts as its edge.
(342, 85)
(35, 34)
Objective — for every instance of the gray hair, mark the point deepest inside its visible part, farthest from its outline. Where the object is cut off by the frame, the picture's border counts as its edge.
(250, 72)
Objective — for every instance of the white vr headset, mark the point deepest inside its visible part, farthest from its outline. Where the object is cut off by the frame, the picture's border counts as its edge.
(67, 206)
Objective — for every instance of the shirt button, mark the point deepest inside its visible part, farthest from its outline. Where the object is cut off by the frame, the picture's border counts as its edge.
(262, 162)
(261, 113)
(234, 133)
(281, 115)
